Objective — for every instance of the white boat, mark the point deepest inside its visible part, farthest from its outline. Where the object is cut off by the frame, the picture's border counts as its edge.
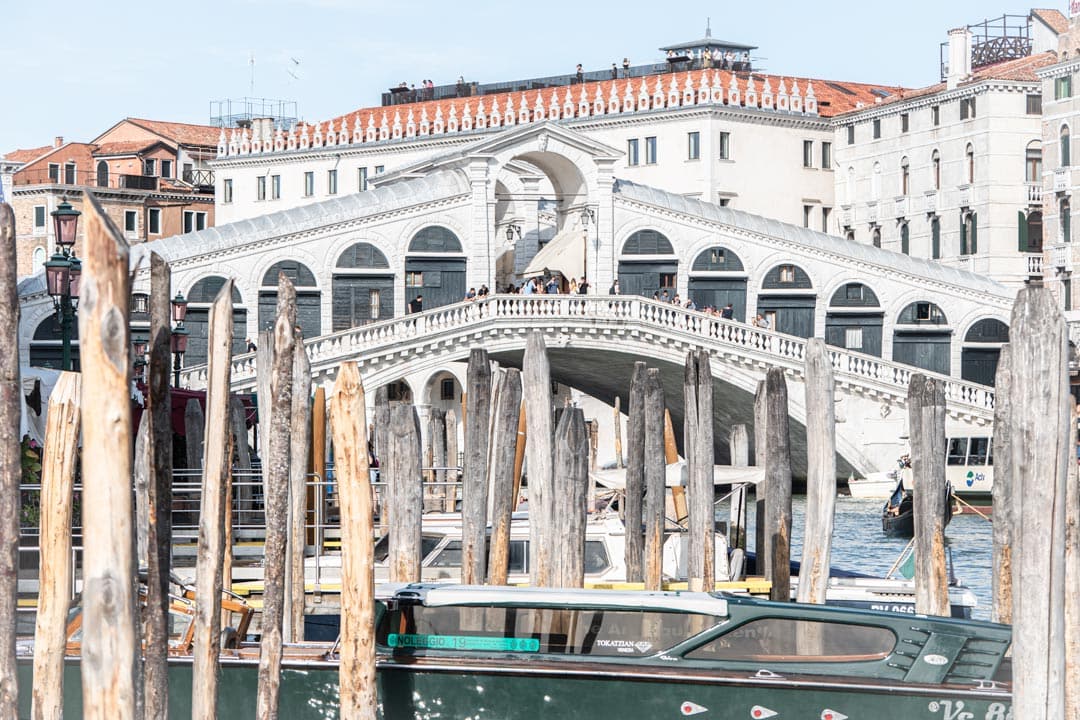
(878, 485)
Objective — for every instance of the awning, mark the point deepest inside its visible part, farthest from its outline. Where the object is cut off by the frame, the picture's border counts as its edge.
(564, 253)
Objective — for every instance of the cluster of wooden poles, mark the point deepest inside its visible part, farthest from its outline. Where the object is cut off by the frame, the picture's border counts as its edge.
(1037, 504)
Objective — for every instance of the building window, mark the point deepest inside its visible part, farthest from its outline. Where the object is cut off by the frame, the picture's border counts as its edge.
(806, 211)
(1034, 104)
(935, 238)
(905, 239)
(725, 146)
(260, 187)
(826, 156)
(54, 172)
(373, 304)
(853, 338)
(969, 155)
(850, 235)
(361, 179)
(967, 108)
(850, 134)
(200, 221)
(935, 169)
(331, 182)
(875, 237)
(149, 166)
(69, 173)
(309, 183)
(226, 191)
(904, 122)
(650, 150)
(39, 259)
(39, 217)
(1066, 155)
(1065, 220)
(379, 169)
(131, 220)
(935, 115)
(969, 244)
(446, 389)
(166, 168)
(414, 279)
(723, 202)
(877, 128)
(787, 273)
(1063, 87)
(153, 221)
(693, 146)
(1066, 290)
(808, 153)
(275, 187)
(905, 177)
(825, 219)
(194, 221)
(1033, 162)
(632, 157)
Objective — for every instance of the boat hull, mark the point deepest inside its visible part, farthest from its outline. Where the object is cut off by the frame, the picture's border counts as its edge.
(512, 689)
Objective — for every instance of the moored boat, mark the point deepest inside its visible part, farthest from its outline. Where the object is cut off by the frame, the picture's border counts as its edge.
(898, 515)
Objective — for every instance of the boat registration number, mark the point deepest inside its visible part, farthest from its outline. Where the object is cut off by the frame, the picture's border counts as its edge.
(462, 642)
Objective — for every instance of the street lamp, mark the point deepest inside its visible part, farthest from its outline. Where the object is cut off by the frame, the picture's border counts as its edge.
(179, 335)
(587, 216)
(512, 230)
(139, 345)
(63, 273)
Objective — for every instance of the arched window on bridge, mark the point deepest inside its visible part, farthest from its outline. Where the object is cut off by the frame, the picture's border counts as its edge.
(46, 349)
(648, 265)
(363, 288)
(923, 338)
(435, 267)
(200, 297)
(717, 278)
(854, 319)
(787, 300)
(308, 297)
(982, 350)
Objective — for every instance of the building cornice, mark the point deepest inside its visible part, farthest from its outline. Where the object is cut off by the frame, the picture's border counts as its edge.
(1060, 69)
(112, 193)
(938, 98)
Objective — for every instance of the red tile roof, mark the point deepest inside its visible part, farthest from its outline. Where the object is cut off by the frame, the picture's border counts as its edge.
(25, 156)
(123, 147)
(183, 133)
(1053, 19)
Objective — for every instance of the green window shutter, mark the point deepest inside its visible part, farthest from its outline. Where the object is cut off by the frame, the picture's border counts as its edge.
(974, 233)
(963, 236)
(1021, 231)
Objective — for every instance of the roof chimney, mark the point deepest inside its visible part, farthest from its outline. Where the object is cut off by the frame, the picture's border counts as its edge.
(58, 141)
(959, 57)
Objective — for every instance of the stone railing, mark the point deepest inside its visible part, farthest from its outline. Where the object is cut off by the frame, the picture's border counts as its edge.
(1034, 193)
(559, 313)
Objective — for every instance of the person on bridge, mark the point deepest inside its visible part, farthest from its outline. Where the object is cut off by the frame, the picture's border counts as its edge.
(583, 286)
(417, 304)
(728, 313)
(614, 288)
(552, 287)
(529, 287)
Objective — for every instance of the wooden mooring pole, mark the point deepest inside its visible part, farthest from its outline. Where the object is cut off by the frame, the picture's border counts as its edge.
(820, 473)
(10, 462)
(54, 581)
(700, 459)
(761, 419)
(406, 494)
(926, 423)
(474, 485)
(276, 492)
(109, 650)
(777, 487)
(356, 672)
(503, 485)
(383, 453)
(536, 387)
(194, 431)
(633, 515)
(437, 433)
(1040, 455)
(571, 486)
(617, 427)
(452, 476)
(655, 486)
(299, 450)
(1001, 491)
(216, 464)
(739, 447)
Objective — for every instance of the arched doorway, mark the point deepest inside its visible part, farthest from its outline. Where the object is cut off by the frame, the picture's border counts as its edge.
(648, 265)
(308, 297)
(1029, 231)
(102, 174)
(923, 338)
(982, 350)
(435, 267)
(787, 300)
(363, 289)
(200, 297)
(47, 349)
(854, 319)
(717, 278)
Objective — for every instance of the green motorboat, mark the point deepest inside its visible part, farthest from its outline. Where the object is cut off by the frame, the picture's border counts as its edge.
(456, 652)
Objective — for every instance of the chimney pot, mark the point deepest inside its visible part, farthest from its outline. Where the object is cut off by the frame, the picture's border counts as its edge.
(58, 141)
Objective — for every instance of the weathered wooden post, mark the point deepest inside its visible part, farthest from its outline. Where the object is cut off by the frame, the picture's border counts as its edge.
(700, 459)
(356, 672)
(502, 473)
(299, 449)
(160, 462)
(926, 427)
(777, 487)
(451, 460)
(1001, 492)
(820, 473)
(382, 453)
(536, 386)
(519, 454)
(54, 589)
(761, 419)
(407, 494)
(109, 616)
(655, 476)
(141, 484)
(216, 464)
(234, 493)
(194, 430)
(571, 483)
(617, 426)
(10, 461)
(264, 368)
(1040, 454)
(437, 433)
(633, 517)
(474, 485)
(739, 447)
(276, 492)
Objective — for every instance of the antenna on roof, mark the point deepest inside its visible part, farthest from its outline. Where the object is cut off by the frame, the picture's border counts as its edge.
(708, 27)
(253, 73)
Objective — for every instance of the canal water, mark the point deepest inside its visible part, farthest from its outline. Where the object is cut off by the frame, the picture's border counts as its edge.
(860, 545)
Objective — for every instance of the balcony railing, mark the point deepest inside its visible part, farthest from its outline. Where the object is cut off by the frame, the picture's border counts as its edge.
(930, 201)
(138, 182)
(151, 183)
(901, 207)
(1034, 264)
(199, 178)
(1034, 193)
(1062, 256)
(1062, 179)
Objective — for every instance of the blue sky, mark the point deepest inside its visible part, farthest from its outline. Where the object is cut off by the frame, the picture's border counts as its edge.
(143, 58)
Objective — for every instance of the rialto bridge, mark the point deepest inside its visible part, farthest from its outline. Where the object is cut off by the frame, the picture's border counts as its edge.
(544, 198)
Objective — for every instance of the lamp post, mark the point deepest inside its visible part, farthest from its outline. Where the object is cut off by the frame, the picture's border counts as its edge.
(139, 344)
(587, 216)
(179, 335)
(63, 272)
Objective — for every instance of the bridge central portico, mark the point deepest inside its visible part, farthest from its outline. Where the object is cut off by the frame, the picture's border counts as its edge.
(594, 340)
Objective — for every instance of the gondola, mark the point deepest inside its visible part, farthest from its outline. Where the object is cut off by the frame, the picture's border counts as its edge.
(898, 515)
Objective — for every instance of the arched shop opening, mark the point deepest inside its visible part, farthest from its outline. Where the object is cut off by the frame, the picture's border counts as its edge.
(363, 287)
(435, 268)
(648, 265)
(922, 338)
(855, 319)
(200, 297)
(982, 349)
(718, 278)
(308, 297)
(787, 300)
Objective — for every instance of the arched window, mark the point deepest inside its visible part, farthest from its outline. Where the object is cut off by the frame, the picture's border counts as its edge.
(988, 330)
(102, 174)
(875, 237)
(39, 259)
(905, 176)
(435, 239)
(905, 238)
(922, 313)
(1065, 219)
(969, 155)
(935, 170)
(362, 255)
(717, 259)
(1066, 154)
(875, 183)
(308, 297)
(969, 228)
(1030, 232)
(850, 235)
(1033, 162)
(647, 242)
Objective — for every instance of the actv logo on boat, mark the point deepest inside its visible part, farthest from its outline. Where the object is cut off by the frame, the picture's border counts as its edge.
(626, 646)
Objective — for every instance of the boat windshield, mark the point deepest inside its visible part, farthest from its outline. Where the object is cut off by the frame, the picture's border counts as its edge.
(788, 639)
(427, 544)
(586, 631)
